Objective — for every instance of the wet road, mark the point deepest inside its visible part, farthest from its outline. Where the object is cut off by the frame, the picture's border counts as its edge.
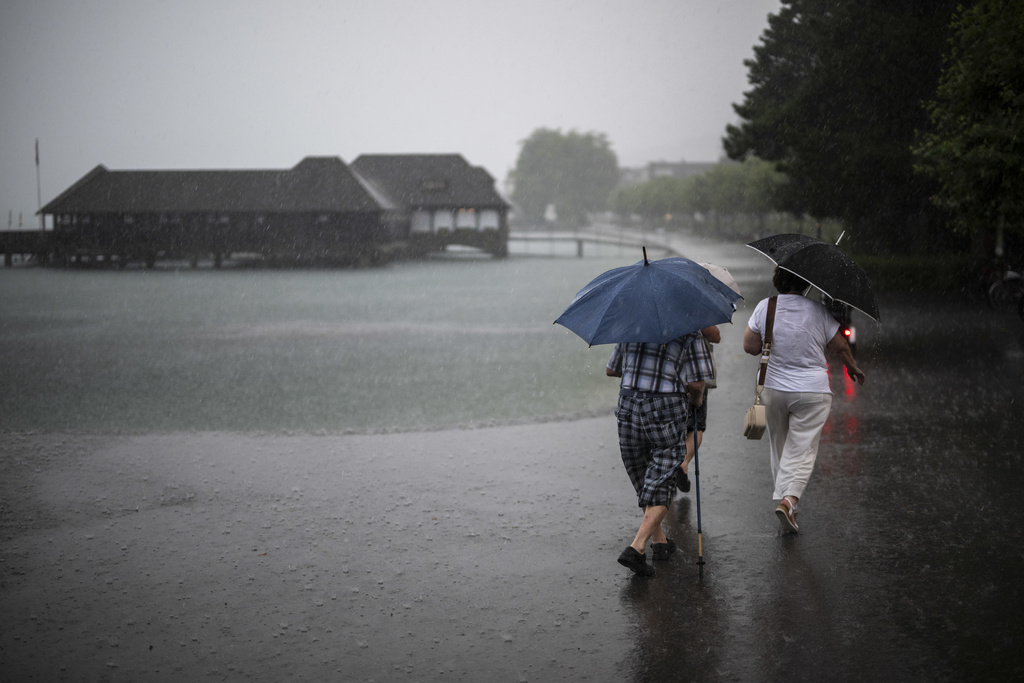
(911, 551)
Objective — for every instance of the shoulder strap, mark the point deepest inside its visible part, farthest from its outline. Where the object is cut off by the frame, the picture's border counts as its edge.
(770, 319)
(766, 347)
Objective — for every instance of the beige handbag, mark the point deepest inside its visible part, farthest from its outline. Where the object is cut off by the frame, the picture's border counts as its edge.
(756, 419)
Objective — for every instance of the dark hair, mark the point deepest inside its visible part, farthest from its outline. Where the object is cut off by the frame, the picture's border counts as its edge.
(786, 281)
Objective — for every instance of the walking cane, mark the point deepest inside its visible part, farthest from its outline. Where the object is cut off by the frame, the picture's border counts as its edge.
(696, 479)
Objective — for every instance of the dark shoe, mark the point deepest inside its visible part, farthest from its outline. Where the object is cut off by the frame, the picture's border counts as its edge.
(786, 512)
(635, 562)
(662, 551)
(682, 481)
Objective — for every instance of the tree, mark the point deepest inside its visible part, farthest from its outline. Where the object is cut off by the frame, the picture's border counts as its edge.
(975, 147)
(733, 190)
(743, 189)
(574, 171)
(836, 98)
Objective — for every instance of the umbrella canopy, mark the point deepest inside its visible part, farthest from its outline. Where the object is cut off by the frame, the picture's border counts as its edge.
(649, 301)
(723, 275)
(825, 266)
(778, 247)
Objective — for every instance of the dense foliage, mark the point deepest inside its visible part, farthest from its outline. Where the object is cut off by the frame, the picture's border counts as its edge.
(837, 96)
(975, 148)
(736, 195)
(573, 172)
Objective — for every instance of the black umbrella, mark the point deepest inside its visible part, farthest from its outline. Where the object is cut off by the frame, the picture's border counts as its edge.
(825, 266)
(778, 247)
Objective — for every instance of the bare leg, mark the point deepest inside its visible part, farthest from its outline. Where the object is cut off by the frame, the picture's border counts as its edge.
(650, 527)
(689, 449)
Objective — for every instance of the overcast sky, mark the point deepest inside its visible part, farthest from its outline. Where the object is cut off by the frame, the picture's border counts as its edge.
(224, 84)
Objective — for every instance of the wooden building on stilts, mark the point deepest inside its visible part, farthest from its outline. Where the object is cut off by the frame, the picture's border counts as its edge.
(320, 212)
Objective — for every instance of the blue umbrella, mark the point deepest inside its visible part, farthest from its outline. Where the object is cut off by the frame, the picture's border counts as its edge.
(649, 301)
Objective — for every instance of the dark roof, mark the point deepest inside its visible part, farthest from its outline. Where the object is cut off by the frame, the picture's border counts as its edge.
(315, 184)
(429, 180)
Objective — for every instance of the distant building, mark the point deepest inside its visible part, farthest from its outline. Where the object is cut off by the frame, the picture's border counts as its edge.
(438, 199)
(321, 211)
(663, 169)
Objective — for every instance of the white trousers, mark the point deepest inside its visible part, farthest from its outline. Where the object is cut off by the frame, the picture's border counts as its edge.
(795, 421)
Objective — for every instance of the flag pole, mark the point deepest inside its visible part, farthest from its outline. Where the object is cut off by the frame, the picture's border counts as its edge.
(39, 192)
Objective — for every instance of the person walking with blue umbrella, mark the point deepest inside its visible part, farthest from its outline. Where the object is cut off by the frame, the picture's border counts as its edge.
(660, 384)
(653, 312)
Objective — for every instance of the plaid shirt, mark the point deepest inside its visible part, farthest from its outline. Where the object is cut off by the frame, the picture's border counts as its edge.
(663, 368)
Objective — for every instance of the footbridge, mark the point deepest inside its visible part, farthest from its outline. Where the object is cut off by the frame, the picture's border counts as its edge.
(596, 236)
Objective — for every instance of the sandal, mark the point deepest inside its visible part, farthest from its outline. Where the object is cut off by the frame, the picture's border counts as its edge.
(663, 551)
(786, 512)
(635, 562)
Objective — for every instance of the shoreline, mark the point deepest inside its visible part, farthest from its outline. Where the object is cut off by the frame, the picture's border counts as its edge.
(468, 426)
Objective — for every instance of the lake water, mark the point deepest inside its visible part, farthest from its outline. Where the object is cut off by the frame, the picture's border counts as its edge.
(446, 341)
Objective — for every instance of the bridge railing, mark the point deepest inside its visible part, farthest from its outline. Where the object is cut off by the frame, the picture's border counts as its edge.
(596, 236)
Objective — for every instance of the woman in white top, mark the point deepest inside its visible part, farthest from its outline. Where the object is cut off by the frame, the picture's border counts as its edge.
(796, 395)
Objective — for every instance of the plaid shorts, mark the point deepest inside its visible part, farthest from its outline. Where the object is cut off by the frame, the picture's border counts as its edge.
(652, 442)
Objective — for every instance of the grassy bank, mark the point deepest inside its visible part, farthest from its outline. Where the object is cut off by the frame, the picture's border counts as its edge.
(915, 273)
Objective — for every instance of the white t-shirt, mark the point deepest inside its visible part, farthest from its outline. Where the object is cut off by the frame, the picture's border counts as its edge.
(801, 331)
